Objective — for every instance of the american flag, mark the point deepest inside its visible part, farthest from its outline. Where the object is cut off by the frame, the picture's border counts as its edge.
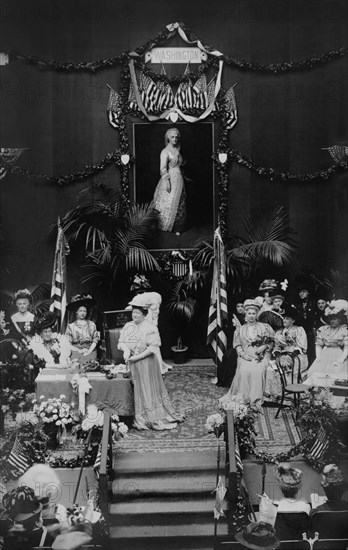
(200, 93)
(132, 99)
(149, 92)
(339, 153)
(96, 465)
(59, 278)
(231, 109)
(166, 97)
(114, 108)
(217, 337)
(320, 445)
(18, 459)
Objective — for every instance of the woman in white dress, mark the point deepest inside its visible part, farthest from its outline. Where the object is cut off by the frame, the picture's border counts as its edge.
(140, 341)
(253, 343)
(170, 196)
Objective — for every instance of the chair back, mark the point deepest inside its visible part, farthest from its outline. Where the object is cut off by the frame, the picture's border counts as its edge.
(113, 321)
(330, 523)
(289, 368)
(291, 525)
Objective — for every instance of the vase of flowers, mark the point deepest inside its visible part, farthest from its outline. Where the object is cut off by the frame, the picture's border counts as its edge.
(56, 416)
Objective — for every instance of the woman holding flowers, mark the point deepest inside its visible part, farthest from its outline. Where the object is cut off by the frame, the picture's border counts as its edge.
(253, 343)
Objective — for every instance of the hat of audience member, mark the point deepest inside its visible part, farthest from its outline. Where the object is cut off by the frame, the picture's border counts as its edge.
(140, 300)
(337, 308)
(21, 504)
(22, 294)
(79, 300)
(258, 535)
(47, 320)
(44, 482)
(268, 284)
(251, 303)
(332, 476)
(288, 477)
(291, 311)
(304, 282)
(71, 540)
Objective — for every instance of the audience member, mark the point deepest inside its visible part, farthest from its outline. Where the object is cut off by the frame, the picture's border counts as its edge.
(293, 513)
(334, 486)
(258, 535)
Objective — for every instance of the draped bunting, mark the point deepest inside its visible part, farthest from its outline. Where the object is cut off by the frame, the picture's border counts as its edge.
(7, 157)
(339, 153)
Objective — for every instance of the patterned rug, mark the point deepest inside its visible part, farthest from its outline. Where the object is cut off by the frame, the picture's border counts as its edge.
(191, 392)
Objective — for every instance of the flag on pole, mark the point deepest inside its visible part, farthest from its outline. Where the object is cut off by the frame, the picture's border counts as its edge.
(217, 338)
(59, 278)
(18, 458)
(220, 492)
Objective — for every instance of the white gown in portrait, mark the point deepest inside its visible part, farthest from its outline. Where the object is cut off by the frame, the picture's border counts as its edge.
(172, 205)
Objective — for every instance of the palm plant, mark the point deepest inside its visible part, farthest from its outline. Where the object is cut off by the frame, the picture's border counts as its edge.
(268, 243)
(112, 236)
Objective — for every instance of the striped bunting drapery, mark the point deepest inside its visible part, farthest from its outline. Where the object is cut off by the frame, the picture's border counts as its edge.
(217, 338)
(18, 459)
(59, 277)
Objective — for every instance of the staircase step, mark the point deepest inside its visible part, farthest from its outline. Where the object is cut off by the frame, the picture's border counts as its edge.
(162, 463)
(162, 511)
(200, 484)
(167, 533)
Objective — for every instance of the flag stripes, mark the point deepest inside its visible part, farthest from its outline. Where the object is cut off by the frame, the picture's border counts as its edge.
(96, 465)
(18, 458)
(59, 277)
(320, 445)
(239, 463)
(216, 337)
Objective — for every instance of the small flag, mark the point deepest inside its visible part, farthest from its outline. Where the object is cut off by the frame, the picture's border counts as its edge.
(200, 100)
(114, 108)
(96, 465)
(166, 97)
(220, 492)
(231, 109)
(132, 99)
(149, 92)
(59, 278)
(320, 446)
(339, 153)
(216, 336)
(18, 458)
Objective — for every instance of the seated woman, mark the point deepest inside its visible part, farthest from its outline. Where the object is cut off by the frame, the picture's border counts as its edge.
(82, 332)
(23, 320)
(274, 314)
(24, 509)
(289, 525)
(48, 346)
(288, 342)
(140, 341)
(253, 343)
(331, 345)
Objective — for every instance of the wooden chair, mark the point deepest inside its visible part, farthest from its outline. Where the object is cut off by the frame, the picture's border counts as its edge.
(295, 388)
(113, 321)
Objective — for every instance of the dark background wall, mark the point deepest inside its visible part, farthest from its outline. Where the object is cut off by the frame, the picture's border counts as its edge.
(284, 121)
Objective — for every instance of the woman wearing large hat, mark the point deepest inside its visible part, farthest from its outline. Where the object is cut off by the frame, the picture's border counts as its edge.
(140, 342)
(46, 344)
(258, 536)
(82, 332)
(253, 342)
(289, 341)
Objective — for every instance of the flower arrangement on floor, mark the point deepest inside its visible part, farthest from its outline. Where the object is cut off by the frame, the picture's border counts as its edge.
(244, 422)
(94, 420)
(56, 416)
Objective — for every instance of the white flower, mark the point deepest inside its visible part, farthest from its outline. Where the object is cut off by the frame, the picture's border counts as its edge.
(214, 421)
(122, 428)
(62, 396)
(58, 423)
(42, 397)
(55, 417)
(65, 420)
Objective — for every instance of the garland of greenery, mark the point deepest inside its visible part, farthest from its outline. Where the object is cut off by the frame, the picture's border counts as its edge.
(90, 170)
(163, 35)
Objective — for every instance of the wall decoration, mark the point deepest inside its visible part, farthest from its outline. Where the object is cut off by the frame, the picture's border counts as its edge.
(8, 157)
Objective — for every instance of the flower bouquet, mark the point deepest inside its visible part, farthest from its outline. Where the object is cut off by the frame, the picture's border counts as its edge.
(216, 423)
(56, 415)
(94, 420)
(260, 342)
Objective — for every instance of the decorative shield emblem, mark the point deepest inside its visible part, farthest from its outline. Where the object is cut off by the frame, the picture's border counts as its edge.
(125, 159)
(173, 116)
(222, 157)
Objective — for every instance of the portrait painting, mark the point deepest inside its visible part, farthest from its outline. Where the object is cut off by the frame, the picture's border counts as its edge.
(174, 170)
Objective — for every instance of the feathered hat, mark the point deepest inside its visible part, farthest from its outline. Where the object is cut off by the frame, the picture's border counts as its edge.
(288, 477)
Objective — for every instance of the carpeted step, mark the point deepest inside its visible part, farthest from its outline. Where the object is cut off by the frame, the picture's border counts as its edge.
(161, 511)
(149, 463)
(197, 484)
(169, 534)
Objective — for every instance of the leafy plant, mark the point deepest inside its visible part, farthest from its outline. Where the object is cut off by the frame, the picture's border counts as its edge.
(182, 307)
(112, 235)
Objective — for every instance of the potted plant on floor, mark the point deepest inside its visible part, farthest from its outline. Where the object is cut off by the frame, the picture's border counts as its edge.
(182, 308)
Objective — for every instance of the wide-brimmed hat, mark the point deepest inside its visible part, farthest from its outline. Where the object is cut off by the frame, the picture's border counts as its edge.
(140, 300)
(288, 477)
(337, 308)
(258, 535)
(47, 320)
(21, 504)
(79, 300)
(268, 284)
(333, 477)
(251, 303)
(290, 311)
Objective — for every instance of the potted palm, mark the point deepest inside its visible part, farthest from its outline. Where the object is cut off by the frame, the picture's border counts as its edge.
(182, 307)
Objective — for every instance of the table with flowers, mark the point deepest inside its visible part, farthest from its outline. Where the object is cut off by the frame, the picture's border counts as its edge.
(115, 393)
